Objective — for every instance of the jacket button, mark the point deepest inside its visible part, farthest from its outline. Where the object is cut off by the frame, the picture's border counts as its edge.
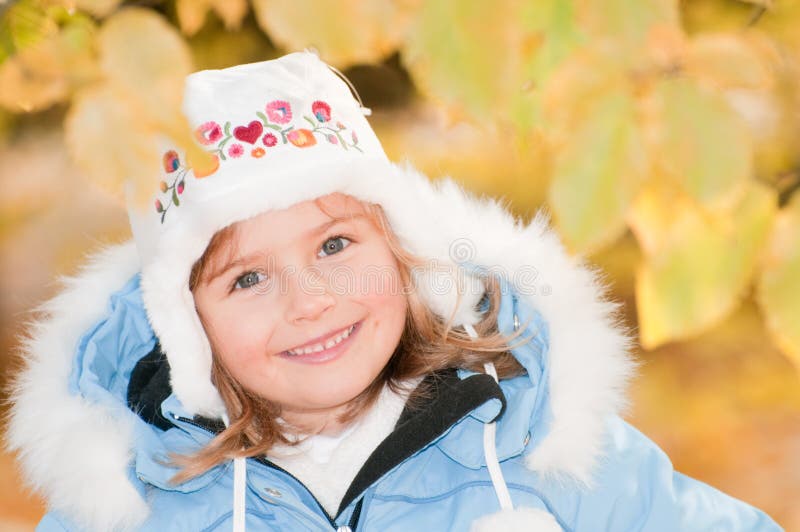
(273, 492)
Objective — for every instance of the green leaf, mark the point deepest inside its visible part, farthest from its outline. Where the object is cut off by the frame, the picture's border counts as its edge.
(175, 197)
(779, 283)
(263, 118)
(627, 24)
(697, 263)
(341, 140)
(28, 23)
(705, 147)
(598, 173)
(488, 59)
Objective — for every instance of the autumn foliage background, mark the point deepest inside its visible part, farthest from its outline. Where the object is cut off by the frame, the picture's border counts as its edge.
(663, 137)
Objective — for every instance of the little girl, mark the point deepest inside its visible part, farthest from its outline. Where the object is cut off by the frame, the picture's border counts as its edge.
(306, 336)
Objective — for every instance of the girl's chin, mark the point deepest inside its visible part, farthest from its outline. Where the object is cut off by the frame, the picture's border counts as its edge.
(313, 403)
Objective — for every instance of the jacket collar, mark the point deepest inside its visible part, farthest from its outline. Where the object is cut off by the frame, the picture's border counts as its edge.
(457, 398)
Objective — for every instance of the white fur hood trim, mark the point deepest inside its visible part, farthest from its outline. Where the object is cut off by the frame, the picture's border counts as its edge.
(73, 452)
(79, 462)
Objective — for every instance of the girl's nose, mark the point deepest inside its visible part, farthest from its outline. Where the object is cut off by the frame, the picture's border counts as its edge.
(308, 296)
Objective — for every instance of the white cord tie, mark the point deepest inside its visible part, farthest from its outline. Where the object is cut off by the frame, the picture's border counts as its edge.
(239, 487)
(489, 443)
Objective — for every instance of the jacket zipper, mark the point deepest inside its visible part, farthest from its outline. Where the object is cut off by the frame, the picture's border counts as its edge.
(356, 512)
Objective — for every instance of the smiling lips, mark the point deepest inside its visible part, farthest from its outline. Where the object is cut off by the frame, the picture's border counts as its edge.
(327, 343)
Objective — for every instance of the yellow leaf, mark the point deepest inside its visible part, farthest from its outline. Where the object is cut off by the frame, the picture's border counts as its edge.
(598, 173)
(45, 73)
(570, 91)
(344, 32)
(627, 24)
(110, 142)
(32, 80)
(727, 60)
(700, 16)
(781, 22)
(697, 264)
(231, 12)
(27, 23)
(489, 59)
(191, 14)
(142, 55)
(214, 48)
(98, 8)
(701, 143)
(779, 283)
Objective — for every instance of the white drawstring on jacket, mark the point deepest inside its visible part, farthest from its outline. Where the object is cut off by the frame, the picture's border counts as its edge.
(239, 487)
(489, 443)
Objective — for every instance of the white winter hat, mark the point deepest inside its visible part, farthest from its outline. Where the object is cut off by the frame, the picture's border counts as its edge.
(282, 132)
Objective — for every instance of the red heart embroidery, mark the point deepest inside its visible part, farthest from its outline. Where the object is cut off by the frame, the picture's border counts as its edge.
(250, 133)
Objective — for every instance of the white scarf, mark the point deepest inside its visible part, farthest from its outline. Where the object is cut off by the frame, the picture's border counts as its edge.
(328, 464)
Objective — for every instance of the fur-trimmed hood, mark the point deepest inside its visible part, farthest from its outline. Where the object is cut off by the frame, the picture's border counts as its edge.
(76, 452)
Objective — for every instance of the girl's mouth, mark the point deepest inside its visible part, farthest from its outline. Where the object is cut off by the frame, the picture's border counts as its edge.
(324, 352)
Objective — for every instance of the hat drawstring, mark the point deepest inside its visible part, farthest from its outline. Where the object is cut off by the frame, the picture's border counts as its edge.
(366, 111)
(239, 487)
(489, 443)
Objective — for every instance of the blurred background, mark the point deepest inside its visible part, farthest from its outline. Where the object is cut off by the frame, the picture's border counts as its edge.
(663, 138)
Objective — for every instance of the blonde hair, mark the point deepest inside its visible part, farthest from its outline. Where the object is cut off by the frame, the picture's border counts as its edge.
(428, 344)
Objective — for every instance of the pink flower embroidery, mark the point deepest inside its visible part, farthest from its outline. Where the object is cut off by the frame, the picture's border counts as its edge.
(279, 111)
(269, 140)
(235, 150)
(208, 133)
(321, 110)
(218, 137)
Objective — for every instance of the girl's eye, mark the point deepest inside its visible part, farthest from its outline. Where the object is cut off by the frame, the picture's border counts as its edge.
(248, 280)
(334, 245)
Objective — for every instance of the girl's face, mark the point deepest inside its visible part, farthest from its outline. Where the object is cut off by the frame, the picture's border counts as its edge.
(279, 303)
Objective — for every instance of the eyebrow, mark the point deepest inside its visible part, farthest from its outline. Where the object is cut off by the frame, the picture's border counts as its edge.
(251, 257)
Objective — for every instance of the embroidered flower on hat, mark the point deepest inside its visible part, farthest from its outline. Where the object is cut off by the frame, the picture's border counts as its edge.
(235, 150)
(228, 142)
(172, 165)
(171, 161)
(269, 140)
(279, 111)
(208, 133)
(321, 110)
(302, 138)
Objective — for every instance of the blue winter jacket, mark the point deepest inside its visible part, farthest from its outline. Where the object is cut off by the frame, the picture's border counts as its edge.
(429, 474)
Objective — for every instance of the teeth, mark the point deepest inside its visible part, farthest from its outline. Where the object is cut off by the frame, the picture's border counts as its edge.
(319, 347)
